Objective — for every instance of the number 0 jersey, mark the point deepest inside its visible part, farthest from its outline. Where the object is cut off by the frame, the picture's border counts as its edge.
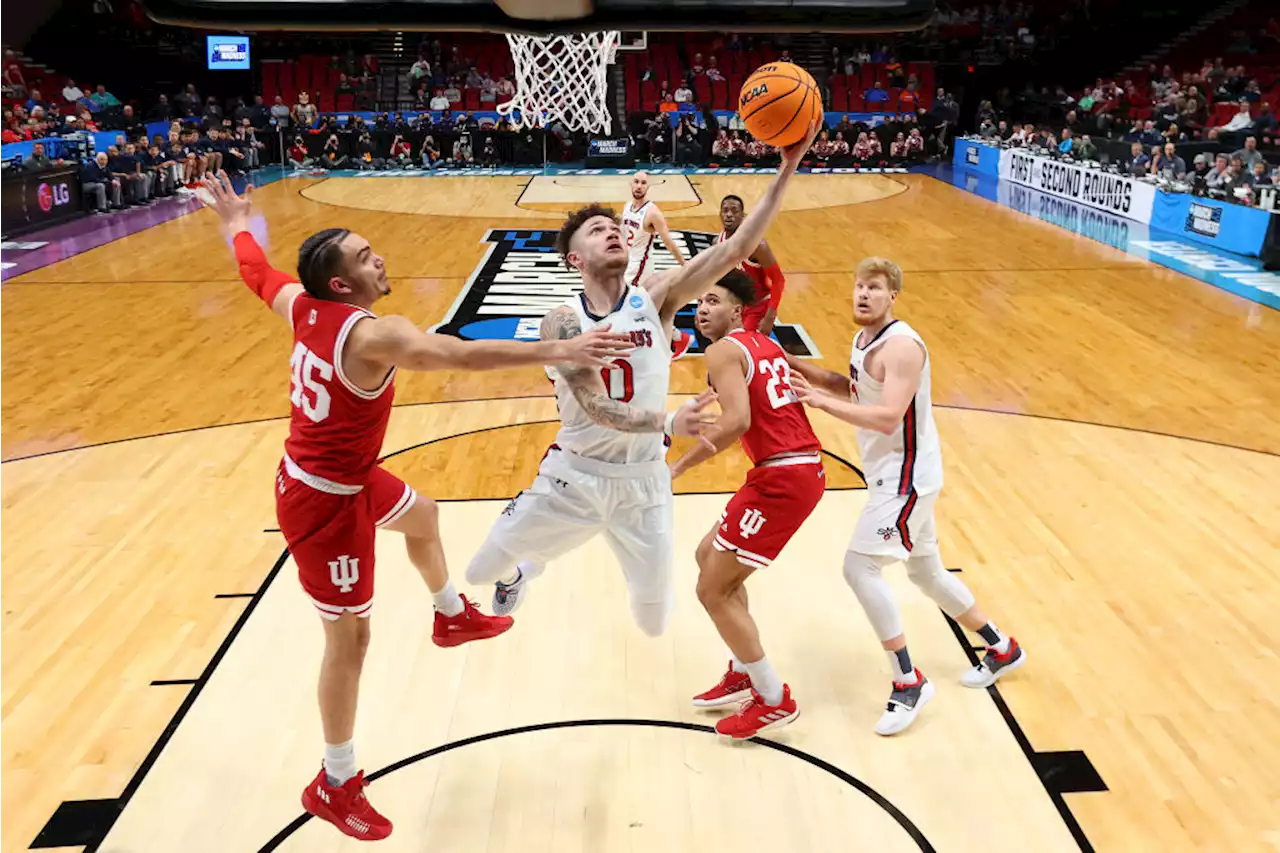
(639, 379)
(336, 428)
(779, 424)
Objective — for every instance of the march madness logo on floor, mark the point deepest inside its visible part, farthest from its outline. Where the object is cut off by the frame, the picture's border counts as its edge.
(521, 278)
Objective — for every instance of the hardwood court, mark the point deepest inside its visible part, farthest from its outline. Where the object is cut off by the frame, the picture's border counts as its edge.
(1110, 433)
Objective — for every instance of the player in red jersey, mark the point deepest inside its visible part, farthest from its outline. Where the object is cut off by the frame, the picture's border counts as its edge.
(762, 267)
(331, 493)
(750, 375)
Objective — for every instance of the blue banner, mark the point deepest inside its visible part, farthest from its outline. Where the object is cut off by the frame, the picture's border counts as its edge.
(976, 157)
(101, 140)
(1232, 227)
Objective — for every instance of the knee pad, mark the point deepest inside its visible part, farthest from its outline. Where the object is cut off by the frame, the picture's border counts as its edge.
(933, 579)
(864, 574)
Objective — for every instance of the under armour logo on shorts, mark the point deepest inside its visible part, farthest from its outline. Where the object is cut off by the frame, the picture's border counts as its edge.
(751, 522)
(344, 572)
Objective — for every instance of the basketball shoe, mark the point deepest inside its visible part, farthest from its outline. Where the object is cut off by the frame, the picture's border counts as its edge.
(468, 625)
(734, 687)
(346, 807)
(905, 703)
(756, 716)
(507, 596)
(994, 665)
(680, 344)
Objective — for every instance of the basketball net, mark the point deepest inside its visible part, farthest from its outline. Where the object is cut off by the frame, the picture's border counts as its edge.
(561, 77)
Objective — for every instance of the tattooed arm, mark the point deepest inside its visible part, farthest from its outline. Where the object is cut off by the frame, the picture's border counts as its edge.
(588, 389)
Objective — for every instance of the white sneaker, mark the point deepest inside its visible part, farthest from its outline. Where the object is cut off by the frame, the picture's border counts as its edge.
(994, 665)
(905, 703)
(507, 596)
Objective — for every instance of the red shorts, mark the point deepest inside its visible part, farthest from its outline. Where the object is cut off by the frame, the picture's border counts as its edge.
(753, 314)
(769, 508)
(331, 537)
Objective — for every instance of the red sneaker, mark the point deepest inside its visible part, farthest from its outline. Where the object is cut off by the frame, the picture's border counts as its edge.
(680, 343)
(755, 716)
(468, 625)
(346, 807)
(734, 687)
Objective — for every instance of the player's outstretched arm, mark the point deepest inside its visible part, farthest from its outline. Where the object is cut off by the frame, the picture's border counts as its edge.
(677, 287)
(660, 226)
(820, 377)
(394, 340)
(272, 286)
(561, 326)
(903, 361)
(777, 283)
(727, 369)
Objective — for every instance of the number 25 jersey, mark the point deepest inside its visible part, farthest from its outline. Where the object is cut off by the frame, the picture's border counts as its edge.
(779, 424)
(336, 427)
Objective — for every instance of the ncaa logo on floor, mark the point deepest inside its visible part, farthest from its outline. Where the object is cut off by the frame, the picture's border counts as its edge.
(521, 278)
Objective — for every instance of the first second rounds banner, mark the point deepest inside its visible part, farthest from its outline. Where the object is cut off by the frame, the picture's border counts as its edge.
(1122, 195)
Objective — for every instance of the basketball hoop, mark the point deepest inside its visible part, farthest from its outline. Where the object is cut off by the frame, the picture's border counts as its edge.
(561, 78)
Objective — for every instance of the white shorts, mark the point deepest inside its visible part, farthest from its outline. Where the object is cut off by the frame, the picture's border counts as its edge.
(574, 498)
(898, 526)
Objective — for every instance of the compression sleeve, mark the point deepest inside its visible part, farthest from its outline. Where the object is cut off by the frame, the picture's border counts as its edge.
(260, 276)
(777, 283)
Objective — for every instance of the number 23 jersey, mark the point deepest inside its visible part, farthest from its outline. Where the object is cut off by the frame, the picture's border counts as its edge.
(639, 379)
(779, 424)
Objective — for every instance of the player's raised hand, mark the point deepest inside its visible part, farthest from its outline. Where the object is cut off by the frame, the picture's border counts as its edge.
(793, 154)
(692, 417)
(219, 195)
(595, 348)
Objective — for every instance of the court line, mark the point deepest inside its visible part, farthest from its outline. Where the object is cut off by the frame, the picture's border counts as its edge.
(871, 793)
(79, 447)
(172, 682)
(1015, 728)
(117, 806)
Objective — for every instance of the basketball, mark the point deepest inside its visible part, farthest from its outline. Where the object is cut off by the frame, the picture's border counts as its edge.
(778, 102)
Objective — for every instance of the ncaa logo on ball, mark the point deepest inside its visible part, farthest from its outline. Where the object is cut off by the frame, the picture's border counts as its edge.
(752, 94)
(44, 196)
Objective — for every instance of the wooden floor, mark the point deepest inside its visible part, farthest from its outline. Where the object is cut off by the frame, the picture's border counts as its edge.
(1111, 434)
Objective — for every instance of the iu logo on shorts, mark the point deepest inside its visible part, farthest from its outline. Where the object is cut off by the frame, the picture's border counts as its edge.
(751, 522)
(344, 572)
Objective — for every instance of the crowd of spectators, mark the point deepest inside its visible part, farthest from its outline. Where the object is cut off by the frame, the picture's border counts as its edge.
(1217, 114)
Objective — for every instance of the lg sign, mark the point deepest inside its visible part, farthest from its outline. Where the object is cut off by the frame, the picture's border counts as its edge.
(50, 197)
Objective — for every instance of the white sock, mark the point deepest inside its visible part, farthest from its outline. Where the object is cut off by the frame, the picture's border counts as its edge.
(738, 666)
(522, 568)
(447, 600)
(765, 680)
(339, 762)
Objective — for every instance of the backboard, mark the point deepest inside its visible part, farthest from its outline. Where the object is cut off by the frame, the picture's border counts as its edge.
(548, 16)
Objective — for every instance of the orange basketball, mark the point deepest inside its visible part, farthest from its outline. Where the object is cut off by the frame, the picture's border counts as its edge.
(778, 102)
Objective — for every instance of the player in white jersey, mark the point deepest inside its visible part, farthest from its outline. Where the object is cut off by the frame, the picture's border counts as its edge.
(888, 397)
(606, 472)
(642, 223)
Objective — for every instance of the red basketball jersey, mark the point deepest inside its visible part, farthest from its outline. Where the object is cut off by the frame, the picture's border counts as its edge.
(336, 428)
(756, 273)
(779, 423)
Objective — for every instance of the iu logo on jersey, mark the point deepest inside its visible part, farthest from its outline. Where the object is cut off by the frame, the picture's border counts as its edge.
(344, 572)
(751, 523)
(521, 278)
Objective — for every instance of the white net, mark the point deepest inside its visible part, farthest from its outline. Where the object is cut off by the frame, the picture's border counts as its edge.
(561, 78)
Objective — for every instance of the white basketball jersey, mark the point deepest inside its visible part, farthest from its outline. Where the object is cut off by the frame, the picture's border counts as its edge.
(639, 379)
(910, 457)
(639, 241)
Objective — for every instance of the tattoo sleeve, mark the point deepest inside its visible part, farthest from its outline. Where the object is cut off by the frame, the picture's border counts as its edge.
(588, 385)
